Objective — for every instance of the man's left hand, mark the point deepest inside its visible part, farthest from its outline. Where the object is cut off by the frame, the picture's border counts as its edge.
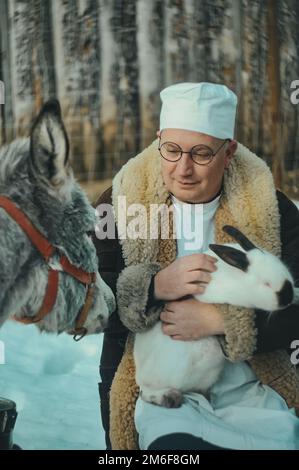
(190, 319)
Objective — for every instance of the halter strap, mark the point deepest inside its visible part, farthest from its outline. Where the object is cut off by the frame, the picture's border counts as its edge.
(46, 249)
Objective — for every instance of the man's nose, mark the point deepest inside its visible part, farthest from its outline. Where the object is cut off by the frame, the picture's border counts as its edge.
(185, 164)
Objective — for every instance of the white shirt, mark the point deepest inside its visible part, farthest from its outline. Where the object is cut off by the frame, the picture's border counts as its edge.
(194, 225)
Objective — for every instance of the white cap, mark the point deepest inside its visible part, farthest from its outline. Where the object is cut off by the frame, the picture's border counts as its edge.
(203, 107)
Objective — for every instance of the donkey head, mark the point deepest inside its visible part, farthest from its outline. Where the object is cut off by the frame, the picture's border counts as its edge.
(36, 175)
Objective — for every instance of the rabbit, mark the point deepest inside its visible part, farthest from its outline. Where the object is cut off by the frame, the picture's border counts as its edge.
(248, 277)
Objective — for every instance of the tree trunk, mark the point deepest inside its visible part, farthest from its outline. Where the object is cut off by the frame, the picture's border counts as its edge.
(150, 59)
(274, 86)
(254, 70)
(176, 42)
(22, 76)
(109, 84)
(66, 37)
(6, 115)
(128, 116)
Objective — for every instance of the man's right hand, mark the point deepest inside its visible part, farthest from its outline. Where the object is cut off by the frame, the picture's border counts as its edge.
(185, 276)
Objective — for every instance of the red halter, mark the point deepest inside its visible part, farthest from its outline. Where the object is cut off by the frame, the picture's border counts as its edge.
(46, 249)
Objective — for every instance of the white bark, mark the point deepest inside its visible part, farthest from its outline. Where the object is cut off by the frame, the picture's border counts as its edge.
(149, 59)
(108, 116)
(21, 72)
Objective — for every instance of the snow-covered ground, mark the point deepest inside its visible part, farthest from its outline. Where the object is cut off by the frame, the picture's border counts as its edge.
(53, 380)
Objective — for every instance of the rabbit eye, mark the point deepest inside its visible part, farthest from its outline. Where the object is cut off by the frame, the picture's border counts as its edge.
(267, 284)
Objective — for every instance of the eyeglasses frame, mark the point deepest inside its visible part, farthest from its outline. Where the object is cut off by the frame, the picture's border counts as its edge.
(213, 154)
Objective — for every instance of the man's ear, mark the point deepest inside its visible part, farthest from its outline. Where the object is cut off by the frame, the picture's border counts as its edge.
(233, 145)
(230, 151)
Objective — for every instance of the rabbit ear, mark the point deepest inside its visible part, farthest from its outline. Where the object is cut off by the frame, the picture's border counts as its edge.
(243, 241)
(231, 256)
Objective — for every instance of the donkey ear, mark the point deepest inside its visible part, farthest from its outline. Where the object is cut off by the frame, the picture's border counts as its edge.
(49, 146)
(235, 233)
(231, 256)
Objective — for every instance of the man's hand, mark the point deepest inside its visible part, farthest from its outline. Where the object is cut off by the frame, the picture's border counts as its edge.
(185, 276)
(191, 319)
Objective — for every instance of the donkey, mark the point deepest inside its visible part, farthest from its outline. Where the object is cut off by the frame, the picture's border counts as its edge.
(48, 263)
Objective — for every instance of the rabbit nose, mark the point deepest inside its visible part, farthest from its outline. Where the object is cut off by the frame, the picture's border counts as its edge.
(286, 294)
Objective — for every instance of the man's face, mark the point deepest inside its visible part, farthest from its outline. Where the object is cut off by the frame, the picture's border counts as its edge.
(188, 181)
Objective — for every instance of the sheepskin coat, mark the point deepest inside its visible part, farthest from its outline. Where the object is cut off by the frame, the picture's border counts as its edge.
(248, 201)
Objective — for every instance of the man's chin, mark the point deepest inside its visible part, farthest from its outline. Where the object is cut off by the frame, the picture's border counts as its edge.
(187, 194)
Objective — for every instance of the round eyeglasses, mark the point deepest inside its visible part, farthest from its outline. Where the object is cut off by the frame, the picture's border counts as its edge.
(200, 154)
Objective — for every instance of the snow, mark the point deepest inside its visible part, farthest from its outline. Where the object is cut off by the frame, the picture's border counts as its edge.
(53, 380)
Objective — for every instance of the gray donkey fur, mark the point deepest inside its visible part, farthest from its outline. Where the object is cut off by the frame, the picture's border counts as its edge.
(35, 174)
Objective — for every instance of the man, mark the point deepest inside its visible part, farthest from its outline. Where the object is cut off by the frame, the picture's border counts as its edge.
(196, 162)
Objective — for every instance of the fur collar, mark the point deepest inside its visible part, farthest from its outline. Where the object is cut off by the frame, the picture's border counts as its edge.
(248, 192)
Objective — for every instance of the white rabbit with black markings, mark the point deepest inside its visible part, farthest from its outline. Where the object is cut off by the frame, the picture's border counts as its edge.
(246, 276)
